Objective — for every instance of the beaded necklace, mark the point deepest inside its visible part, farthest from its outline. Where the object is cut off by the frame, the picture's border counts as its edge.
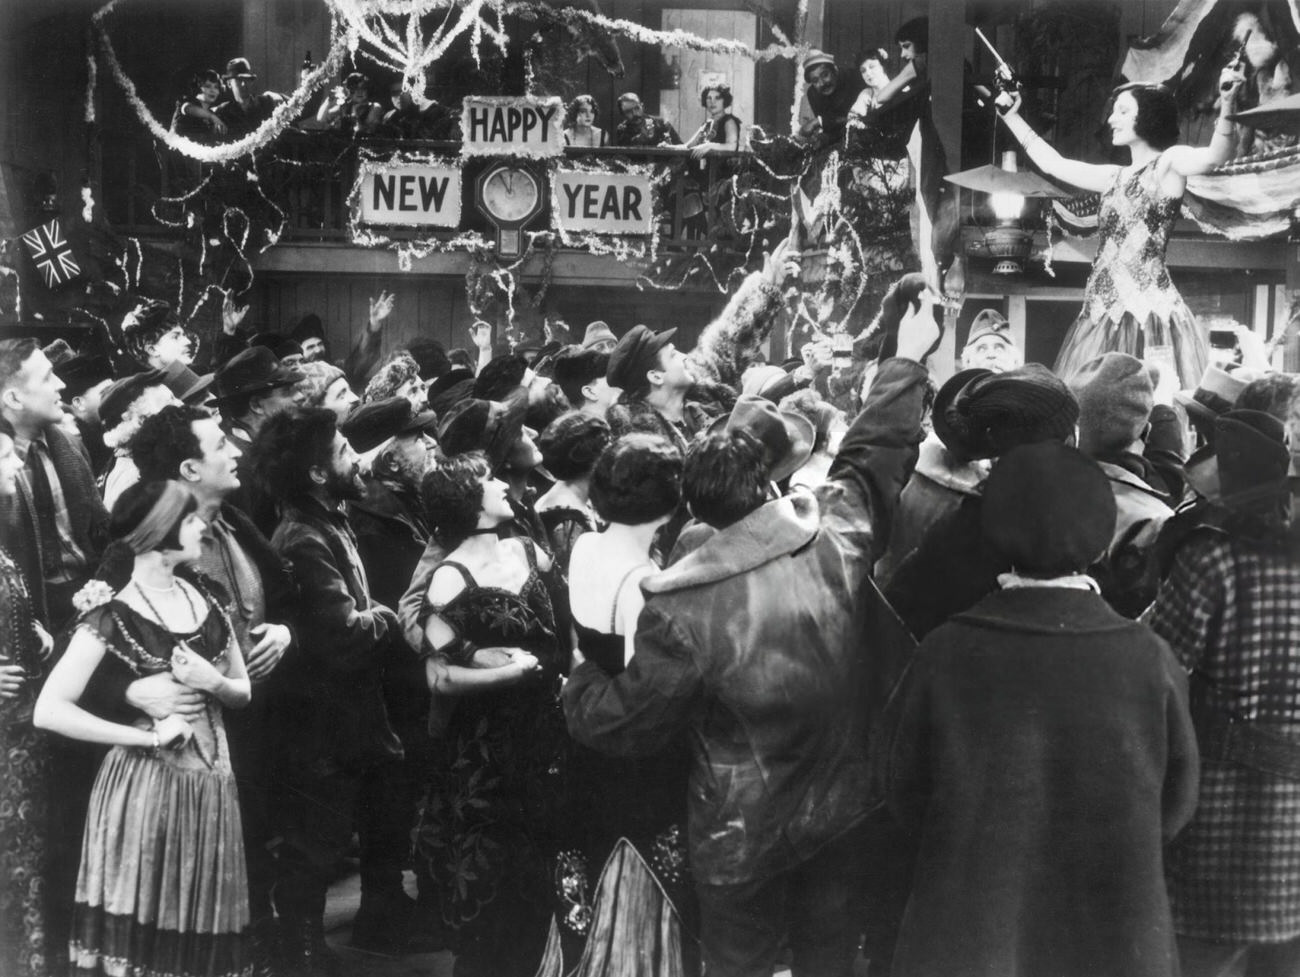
(194, 611)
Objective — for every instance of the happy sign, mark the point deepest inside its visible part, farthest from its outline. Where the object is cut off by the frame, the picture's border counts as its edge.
(603, 203)
(411, 193)
(527, 126)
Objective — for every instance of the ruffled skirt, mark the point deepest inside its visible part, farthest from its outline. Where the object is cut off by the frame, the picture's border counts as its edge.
(1178, 334)
(163, 888)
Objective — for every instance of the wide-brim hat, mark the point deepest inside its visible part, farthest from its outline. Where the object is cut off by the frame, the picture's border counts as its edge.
(489, 426)
(635, 355)
(598, 332)
(450, 389)
(238, 68)
(950, 430)
(187, 386)
(1251, 465)
(787, 438)
(82, 372)
(1048, 509)
(1216, 393)
(252, 371)
(119, 395)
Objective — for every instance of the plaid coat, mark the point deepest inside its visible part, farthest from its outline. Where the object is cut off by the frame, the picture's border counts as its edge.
(1230, 609)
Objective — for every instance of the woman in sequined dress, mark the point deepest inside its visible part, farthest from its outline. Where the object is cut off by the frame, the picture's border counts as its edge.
(491, 816)
(623, 888)
(1130, 304)
(24, 761)
(162, 888)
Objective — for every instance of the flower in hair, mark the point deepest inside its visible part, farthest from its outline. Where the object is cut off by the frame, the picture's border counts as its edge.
(92, 595)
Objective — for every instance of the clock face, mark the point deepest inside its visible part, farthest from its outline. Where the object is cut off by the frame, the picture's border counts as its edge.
(511, 194)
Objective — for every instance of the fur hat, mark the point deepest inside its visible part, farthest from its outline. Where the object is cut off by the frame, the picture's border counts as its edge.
(1115, 394)
(1048, 509)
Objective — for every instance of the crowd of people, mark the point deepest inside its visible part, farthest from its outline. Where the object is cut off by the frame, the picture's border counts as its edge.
(615, 646)
(643, 659)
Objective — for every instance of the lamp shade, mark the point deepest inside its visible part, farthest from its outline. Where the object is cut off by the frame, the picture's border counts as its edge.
(1279, 115)
(994, 179)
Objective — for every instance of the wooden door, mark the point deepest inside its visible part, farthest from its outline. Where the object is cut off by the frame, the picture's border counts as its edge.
(693, 69)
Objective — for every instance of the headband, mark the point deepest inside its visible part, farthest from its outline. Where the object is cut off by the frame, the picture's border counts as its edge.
(154, 527)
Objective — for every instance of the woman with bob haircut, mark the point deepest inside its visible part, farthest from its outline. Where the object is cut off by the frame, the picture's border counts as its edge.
(570, 446)
(629, 836)
(1130, 304)
(489, 820)
(162, 887)
(580, 127)
(720, 132)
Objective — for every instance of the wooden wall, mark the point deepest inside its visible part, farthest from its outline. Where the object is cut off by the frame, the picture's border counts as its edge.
(436, 307)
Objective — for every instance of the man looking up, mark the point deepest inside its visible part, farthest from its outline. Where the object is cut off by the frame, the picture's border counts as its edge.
(335, 734)
(186, 444)
(580, 374)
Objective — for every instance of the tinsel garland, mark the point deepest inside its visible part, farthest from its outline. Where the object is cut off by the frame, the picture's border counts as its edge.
(281, 118)
(664, 39)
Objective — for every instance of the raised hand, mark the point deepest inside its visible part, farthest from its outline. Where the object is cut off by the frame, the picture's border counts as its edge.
(380, 309)
(480, 335)
(231, 316)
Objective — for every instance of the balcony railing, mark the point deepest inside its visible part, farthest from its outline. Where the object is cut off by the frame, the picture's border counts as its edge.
(309, 175)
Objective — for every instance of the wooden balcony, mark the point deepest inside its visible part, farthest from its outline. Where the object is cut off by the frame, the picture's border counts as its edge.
(309, 175)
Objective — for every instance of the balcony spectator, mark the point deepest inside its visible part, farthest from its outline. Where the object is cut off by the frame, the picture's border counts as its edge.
(721, 132)
(580, 127)
(195, 116)
(831, 94)
(639, 129)
(247, 108)
(423, 119)
(350, 110)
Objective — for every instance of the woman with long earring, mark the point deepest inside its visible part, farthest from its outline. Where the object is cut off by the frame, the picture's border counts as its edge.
(1129, 303)
(162, 887)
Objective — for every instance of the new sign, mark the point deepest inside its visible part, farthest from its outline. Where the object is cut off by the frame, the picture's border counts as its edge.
(602, 203)
(425, 194)
(526, 126)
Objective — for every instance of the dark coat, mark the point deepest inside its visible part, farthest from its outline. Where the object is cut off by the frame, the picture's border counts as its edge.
(391, 536)
(86, 512)
(1044, 755)
(330, 681)
(749, 641)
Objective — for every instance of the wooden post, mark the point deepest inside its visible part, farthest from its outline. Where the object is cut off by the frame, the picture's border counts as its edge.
(1291, 358)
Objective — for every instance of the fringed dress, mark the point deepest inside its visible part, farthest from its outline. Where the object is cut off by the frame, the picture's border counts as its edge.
(1130, 304)
(163, 889)
(491, 816)
(25, 790)
(638, 918)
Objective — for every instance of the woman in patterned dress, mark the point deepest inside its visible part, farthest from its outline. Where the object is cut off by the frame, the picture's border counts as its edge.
(489, 823)
(1130, 304)
(163, 890)
(24, 761)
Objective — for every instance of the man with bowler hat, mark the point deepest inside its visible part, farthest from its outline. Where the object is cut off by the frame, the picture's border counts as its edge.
(247, 108)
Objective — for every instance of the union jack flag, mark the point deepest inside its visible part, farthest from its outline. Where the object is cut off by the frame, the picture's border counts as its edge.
(52, 254)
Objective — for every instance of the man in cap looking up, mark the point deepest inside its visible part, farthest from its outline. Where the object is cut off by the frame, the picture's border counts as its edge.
(989, 345)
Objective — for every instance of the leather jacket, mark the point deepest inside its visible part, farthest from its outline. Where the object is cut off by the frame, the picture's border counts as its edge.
(753, 641)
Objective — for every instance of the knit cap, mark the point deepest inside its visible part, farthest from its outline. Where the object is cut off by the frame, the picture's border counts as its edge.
(1115, 393)
(984, 414)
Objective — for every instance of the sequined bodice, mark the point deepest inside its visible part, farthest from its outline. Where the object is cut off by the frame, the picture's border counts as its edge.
(1129, 273)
